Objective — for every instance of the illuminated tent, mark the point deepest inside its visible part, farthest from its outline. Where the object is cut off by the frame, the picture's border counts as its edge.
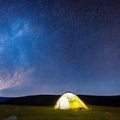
(70, 101)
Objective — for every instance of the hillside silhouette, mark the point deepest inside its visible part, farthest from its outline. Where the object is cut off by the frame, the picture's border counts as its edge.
(48, 100)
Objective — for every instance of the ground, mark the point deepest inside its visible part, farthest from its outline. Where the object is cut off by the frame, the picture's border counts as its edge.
(49, 113)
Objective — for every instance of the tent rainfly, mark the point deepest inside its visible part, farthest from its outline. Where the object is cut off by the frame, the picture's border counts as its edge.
(70, 101)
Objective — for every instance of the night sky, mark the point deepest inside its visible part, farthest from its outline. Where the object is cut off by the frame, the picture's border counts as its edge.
(54, 46)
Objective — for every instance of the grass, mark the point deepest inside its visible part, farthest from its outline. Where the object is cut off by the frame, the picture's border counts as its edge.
(48, 113)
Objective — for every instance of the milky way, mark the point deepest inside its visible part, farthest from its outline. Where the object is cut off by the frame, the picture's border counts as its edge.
(49, 47)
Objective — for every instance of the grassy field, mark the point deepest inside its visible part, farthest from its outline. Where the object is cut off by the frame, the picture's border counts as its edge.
(48, 113)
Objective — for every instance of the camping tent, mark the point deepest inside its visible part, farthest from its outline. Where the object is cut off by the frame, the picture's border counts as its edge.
(70, 101)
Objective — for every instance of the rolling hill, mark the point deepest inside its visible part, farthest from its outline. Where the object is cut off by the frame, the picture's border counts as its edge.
(48, 100)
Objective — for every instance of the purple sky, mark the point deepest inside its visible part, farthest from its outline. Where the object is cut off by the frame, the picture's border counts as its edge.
(54, 46)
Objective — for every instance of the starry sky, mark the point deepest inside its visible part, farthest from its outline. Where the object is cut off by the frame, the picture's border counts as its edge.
(54, 46)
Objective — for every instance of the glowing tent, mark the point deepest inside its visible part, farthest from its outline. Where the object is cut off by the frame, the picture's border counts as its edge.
(70, 101)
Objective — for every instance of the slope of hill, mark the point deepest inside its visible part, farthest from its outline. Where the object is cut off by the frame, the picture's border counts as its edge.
(101, 100)
(48, 100)
(4, 99)
(41, 100)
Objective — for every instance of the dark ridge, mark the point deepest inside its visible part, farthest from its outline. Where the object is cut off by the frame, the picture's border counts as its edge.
(48, 100)
(37, 100)
(101, 100)
(4, 99)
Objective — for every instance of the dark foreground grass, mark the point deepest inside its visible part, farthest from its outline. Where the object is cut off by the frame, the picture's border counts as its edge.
(48, 113)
